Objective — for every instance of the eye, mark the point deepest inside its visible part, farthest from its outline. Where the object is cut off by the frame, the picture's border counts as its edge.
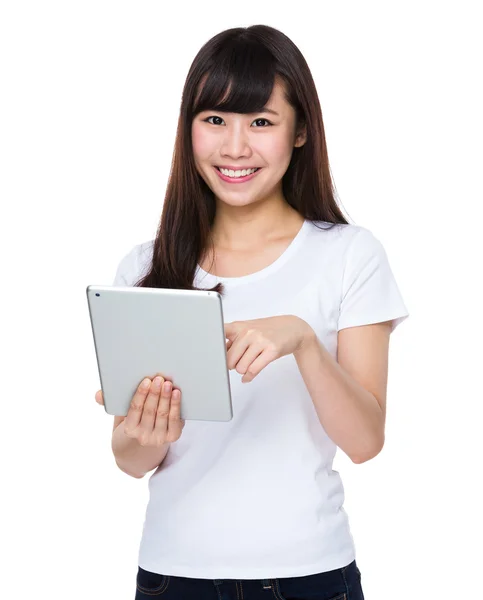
(216, 117)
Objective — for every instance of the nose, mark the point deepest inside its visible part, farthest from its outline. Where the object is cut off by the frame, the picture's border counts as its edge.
(235, 143)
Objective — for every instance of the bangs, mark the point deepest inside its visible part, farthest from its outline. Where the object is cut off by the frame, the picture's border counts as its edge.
(241, 80)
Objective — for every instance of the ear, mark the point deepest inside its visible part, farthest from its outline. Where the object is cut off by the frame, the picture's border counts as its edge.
(301, 137)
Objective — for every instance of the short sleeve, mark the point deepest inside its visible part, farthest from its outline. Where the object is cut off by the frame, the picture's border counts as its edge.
(370, 293)
(125, 271)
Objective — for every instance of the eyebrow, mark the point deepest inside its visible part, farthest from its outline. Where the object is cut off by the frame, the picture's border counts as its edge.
(265, 109)
(268, 110)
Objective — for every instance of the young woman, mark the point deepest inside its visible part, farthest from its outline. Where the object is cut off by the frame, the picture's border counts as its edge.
(252, 508)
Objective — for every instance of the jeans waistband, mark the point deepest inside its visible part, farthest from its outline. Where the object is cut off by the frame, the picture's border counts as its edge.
(266, 583)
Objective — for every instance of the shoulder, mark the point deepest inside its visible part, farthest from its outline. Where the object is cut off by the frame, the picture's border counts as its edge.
(143, 255)
(343, 235)
(135, 262)
(144, 251)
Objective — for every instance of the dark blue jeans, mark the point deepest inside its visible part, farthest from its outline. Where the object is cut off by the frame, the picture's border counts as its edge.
(340, 584)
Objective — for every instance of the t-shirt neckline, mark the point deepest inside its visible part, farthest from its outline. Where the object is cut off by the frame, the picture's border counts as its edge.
(279, 262)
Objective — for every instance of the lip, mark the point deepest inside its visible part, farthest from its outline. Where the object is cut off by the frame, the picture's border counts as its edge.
(238, 179)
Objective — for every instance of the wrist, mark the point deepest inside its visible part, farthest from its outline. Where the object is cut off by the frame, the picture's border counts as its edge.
(308, 339)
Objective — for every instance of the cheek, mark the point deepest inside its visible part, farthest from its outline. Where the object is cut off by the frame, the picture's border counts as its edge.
(276, 149)
(201, 144)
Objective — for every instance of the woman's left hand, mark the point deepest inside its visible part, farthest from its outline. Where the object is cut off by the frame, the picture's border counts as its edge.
(252, 345)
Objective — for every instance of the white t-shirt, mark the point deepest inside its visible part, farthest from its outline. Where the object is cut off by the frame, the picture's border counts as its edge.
(256, 497)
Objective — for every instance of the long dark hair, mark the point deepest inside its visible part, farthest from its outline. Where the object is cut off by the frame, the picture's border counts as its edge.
(244, 61)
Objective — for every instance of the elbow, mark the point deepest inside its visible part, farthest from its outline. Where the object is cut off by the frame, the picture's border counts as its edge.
(369, 454)
(135, 475)
(358, 460)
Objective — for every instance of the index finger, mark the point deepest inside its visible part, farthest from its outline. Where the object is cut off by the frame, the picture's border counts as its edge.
(135, 411)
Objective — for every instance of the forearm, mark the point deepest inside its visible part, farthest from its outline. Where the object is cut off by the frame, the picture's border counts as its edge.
(131, 457)
(350, 414)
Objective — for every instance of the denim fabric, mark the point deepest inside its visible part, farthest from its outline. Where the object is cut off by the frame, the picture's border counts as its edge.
(340, 584)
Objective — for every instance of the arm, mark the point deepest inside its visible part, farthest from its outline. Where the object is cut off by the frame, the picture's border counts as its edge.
(349, 394)
(131, 457)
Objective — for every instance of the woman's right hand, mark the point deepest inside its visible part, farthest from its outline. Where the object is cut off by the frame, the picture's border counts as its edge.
(154, 415)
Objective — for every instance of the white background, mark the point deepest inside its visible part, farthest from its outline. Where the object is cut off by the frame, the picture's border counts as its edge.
(90, 94)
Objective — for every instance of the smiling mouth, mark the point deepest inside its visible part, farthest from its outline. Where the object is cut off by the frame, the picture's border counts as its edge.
(256, 169)
(240, 179)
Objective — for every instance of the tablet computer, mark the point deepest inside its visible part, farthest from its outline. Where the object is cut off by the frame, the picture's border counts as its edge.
(178, 334)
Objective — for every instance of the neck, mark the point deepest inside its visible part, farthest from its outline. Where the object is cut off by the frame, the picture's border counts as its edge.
(238, 229)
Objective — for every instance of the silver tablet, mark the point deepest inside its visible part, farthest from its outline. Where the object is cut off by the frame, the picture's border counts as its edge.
(178, 334)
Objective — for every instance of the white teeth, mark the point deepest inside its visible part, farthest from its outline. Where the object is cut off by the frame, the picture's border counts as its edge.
(243, 173)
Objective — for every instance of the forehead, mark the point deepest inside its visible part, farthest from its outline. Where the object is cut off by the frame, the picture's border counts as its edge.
(244, 99)
(277, 97)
